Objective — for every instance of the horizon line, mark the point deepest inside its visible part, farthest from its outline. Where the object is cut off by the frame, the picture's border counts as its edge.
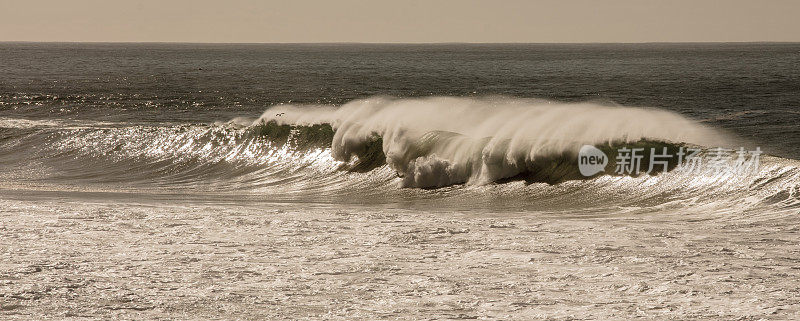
(395, 43)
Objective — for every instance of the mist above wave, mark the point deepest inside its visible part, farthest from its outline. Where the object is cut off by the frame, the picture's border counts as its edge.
(439, 141)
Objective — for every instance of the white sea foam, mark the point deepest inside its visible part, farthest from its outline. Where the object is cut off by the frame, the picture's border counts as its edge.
(445, 140)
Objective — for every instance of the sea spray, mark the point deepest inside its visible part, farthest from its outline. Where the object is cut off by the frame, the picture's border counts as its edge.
(439, 141)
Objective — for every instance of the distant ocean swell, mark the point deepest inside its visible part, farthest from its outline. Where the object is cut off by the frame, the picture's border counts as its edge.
(380, 145)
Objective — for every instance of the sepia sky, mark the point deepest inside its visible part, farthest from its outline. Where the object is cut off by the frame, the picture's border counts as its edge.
(400, 20)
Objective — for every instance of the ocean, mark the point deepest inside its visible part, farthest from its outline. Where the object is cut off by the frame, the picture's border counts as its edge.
(371, 181)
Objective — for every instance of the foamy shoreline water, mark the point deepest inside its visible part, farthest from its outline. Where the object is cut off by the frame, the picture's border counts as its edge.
(74, 259)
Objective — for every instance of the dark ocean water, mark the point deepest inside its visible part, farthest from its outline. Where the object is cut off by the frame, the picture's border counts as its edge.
(753, 90)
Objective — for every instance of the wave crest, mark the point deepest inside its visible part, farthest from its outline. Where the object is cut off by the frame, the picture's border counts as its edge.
(439, 141)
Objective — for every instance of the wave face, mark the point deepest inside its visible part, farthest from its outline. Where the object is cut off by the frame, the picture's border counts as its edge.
(496, 152)
(437, 142)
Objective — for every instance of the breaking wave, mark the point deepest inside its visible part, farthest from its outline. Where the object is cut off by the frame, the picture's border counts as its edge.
(478, 151)
(437, 142)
